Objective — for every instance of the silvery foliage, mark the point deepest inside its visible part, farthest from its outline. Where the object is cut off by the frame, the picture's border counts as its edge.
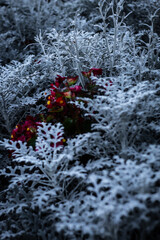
(34, 73)
(22, 20)
(103, 184)
(118, 202)
(124, 112)
(70, 53)
(22, 85)
(116, 49)
(73, 52)
(49, 174)
(46, 156)
(112, 195)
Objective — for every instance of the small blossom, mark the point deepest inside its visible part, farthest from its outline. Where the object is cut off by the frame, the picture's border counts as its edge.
(87, 74)
(59, 80)
(67, 94)
(57, 84)
(76, 88)
(49, 105)
(72, 80)
(53, 94)
(96, 71)
(60, 101)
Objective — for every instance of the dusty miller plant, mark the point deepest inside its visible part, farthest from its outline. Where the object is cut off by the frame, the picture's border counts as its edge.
(22, 85)
(103, 184)
(99, 178)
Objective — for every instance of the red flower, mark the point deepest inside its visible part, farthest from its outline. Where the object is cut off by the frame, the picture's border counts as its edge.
(96, 71)
(30, 122)
(15, 132)
(76, 89)
(53, 95)
(60, 79)
(53, 103)
(60, 101)
(21, 138)
(49, 104)
(57, 84)
(26, 131)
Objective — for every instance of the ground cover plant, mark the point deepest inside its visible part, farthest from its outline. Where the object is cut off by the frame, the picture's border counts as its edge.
(80, 122)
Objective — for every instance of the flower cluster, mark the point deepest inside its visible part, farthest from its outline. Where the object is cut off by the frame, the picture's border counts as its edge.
(26, 132)
(61, 91)
(60, 109)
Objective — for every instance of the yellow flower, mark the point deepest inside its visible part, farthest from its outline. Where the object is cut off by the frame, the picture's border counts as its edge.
(28, 129)
(49, 102)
